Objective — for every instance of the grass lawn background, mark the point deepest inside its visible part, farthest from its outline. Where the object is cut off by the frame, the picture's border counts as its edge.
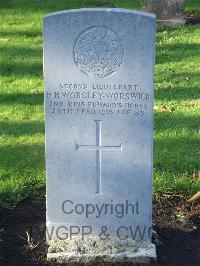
(176, 139)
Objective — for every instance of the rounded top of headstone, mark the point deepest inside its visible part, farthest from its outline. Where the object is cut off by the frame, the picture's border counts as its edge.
(113, 10)
(98, 52)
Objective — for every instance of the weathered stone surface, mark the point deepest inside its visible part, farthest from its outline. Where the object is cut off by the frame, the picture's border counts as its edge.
(168, 12)
(97, 252)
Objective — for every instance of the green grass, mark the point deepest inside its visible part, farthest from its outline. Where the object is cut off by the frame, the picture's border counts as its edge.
(176, 145)
(192, 6)
(177, 142)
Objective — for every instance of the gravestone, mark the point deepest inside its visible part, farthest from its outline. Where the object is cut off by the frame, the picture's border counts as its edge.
(99, 75)
(168, 12)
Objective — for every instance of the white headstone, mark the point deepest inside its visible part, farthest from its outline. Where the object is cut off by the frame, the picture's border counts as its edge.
(99, 80)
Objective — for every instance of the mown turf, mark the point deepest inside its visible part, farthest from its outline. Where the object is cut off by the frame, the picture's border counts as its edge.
(192, 6)
(177, 142)
(22, 168)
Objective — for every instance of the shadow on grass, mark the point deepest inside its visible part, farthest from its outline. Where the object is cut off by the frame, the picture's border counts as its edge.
(176, 155)
(22, 172)
(22, 157)
(88, 3)
(182, 76)
(21, 69)
(21, 52)
(176, 143)
(176, 52)
(175, 121)
(21, 98)
(177, 93)
(21, 33)
(17, 129)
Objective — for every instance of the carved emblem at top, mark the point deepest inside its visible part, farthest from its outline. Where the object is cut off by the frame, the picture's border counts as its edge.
(98, 52)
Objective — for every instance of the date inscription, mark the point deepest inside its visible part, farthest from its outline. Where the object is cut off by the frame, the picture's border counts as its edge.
(98, 99)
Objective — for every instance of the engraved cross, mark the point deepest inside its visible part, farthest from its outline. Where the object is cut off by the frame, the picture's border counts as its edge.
(98, 148)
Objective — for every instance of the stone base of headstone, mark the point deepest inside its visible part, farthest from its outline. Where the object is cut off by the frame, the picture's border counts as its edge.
(171, 21)
(101, 252)
(168, 12)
